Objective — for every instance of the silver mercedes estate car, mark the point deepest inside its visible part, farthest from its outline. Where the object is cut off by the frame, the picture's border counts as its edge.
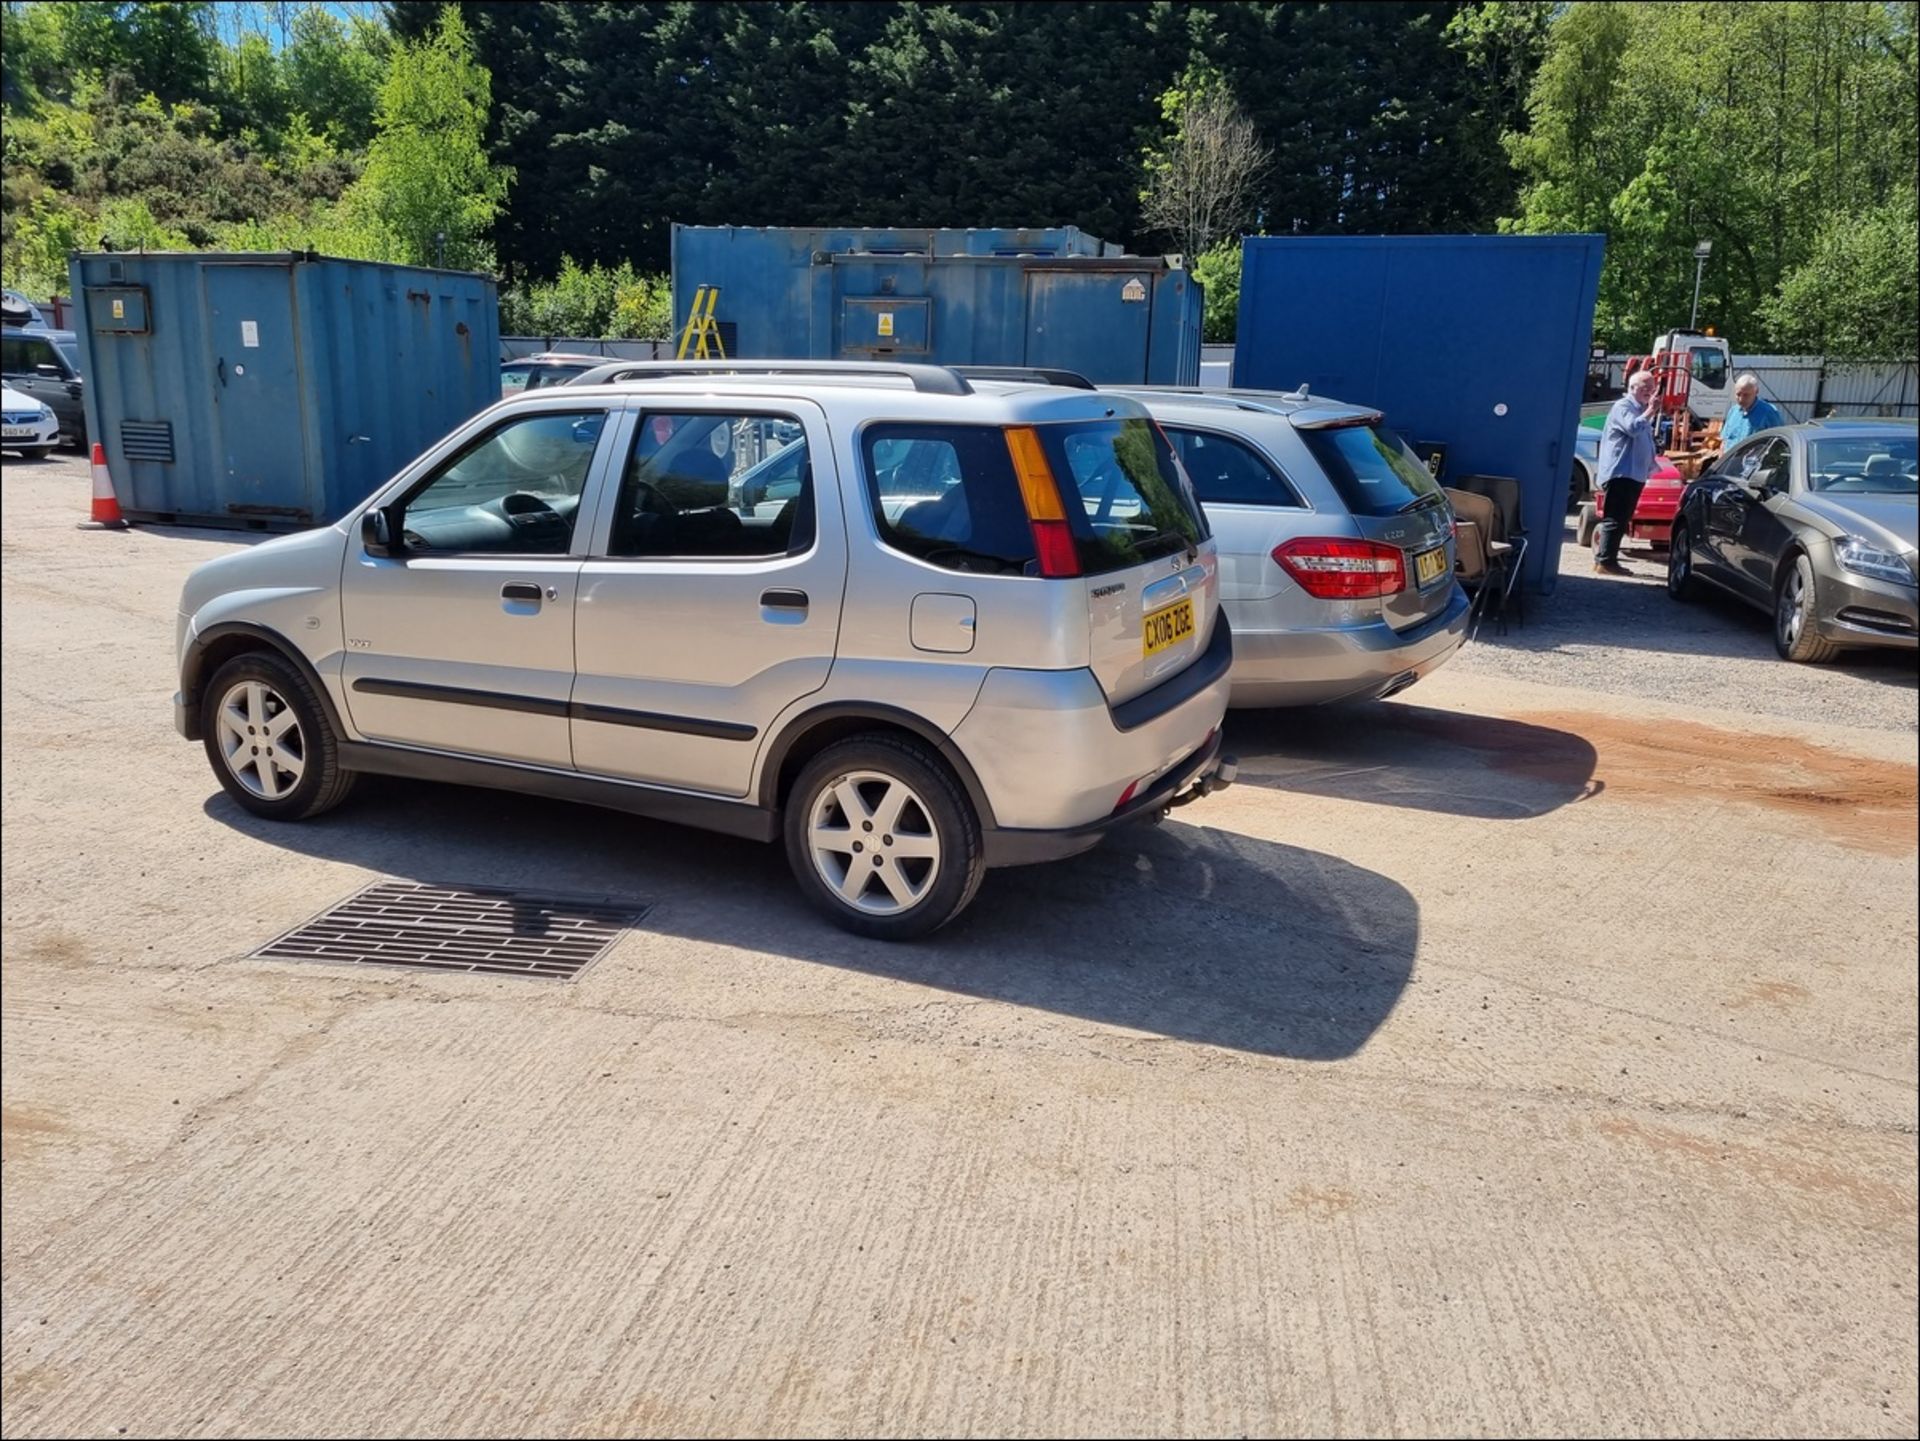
(1336, 544)
(913, 626)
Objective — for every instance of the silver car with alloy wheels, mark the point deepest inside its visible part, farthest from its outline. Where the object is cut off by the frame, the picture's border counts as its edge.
(911, 627)
(1814, 524)
(1336, 544)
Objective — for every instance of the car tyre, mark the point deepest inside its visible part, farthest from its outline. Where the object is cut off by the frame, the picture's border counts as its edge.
(1682, 583)
(1583, 528)
(268, 740)
(882, 838)
(1578, 488)
(1795, 604)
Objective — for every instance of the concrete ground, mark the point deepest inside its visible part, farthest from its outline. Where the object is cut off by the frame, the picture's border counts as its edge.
(1523, 1055)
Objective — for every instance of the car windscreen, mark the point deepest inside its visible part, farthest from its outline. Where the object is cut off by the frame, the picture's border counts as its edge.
(1372, 468)
(1873, 464)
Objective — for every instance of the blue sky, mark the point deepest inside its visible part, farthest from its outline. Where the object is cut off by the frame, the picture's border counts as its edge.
(273, 18)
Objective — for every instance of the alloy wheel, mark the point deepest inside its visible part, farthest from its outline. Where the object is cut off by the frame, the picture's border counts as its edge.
(260, 739)
(873, 841)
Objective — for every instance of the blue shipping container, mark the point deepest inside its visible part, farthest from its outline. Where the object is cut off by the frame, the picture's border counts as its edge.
(1053, 297)
(274, 391)
(1477, 343)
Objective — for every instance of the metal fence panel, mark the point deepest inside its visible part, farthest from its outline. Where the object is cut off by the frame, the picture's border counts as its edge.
(1809, 386)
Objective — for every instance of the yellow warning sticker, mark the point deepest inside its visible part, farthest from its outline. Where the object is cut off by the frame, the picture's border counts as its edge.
(886, 322)
(119, 310)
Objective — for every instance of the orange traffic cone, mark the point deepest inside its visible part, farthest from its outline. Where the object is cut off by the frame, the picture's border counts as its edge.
(106, 509)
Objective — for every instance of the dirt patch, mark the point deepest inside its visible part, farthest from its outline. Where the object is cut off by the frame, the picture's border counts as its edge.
(1814, 1177)
(1866, 804)
(24, 1131)
(1323, 1203)
(1773, 993)
(56, 948)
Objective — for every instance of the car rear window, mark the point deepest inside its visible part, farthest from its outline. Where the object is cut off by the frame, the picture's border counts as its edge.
(1135, 505)
(948, 495)
(1372, 468)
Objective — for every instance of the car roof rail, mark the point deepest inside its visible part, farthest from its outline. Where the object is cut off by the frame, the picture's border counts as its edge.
(1037, 374)
(927, 379)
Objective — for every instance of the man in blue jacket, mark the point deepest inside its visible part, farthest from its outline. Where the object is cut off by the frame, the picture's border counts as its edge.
(1626, 460)
(1749, 413)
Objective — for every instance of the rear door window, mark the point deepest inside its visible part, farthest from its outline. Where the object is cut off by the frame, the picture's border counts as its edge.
(711, 485)
(947, 495)
(1372, 468)
(1225, 471)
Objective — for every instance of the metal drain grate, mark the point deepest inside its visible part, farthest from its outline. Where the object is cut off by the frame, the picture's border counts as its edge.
(444, 928)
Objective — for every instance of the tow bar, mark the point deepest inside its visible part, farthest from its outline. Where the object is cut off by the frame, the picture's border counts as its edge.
(1217, 779)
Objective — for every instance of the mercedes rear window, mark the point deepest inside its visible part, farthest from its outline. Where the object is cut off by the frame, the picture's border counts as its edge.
(1372, 468)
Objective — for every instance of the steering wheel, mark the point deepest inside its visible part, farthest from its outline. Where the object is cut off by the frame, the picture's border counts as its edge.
(524, 509)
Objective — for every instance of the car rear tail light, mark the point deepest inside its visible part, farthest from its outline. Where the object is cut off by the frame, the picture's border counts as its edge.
(1334, 569)
(1053, 543)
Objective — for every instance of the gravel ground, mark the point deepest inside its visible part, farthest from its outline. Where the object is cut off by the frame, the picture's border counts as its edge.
(1625, 636)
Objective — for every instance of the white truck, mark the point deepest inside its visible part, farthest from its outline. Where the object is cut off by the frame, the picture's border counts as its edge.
(1709, 369)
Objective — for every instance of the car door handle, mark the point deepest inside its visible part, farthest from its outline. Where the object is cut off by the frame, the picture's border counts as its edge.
(520, 590)
(784, 599)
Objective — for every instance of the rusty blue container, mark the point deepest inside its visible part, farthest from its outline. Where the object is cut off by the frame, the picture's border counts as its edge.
(274, 391)
(1051, 297)
(1474, 346)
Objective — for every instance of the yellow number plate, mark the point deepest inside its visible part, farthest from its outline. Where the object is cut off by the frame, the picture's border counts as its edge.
(1429, 565)
(1169, 625)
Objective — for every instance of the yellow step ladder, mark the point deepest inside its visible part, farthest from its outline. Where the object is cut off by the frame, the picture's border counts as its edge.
(702, 330)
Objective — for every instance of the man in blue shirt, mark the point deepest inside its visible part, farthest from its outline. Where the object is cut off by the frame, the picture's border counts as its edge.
(1626, 460)
(1749, 413)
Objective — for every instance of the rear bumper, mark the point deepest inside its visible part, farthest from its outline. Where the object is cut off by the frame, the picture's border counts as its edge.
(1051, 754)
(1343, 663)
(1200, 774)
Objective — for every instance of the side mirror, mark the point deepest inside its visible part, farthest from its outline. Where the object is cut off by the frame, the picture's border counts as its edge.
(376, 533)
(50, 371)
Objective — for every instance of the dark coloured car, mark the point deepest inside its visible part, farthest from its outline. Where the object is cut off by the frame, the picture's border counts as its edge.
(35, 364)
(1814, 524)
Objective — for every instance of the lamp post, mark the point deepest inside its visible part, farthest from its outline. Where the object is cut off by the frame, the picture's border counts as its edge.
(1700, 254)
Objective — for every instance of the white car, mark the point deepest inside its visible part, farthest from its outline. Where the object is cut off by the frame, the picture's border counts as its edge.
(26, 425)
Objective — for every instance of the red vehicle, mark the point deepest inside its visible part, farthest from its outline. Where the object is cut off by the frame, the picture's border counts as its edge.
(1652, 517)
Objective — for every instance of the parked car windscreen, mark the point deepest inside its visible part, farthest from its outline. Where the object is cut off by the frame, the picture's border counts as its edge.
(1372, 468)
(1883, 464)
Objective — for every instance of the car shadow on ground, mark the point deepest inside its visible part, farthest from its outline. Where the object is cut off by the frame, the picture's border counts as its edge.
(1176, 930)
(1396, 754)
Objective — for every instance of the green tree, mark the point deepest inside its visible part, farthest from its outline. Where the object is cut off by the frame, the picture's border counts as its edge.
(1857, 297)
(1761, 127)
(1218, 271)
(334, 74)
(167, 49)
(1203, 177)
(253, 89)
(428, 183)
